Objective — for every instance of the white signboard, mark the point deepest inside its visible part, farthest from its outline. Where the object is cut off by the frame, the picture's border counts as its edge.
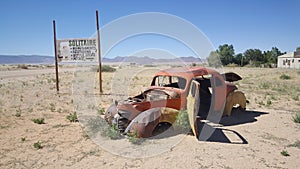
(77, 49)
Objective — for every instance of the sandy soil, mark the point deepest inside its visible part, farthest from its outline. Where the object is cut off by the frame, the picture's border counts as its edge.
(253, 139)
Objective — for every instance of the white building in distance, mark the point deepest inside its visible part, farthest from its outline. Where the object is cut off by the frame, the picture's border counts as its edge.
(289, 60)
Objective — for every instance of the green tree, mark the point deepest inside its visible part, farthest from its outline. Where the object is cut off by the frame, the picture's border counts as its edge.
(255, 56)
(240, 60)
(214, 59)
(226, 53)
(298, 49)
(272, 55)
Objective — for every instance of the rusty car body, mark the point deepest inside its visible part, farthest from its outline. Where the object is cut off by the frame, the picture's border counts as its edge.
(199, 90)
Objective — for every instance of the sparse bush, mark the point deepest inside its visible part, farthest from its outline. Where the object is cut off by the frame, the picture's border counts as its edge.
(38, 121)
(85, 135)
(182, 121)
(59, 110)
(133, 138)
(37, 145)
(232, 65)
(136, 78)
(51, 80)
(22, 66)
(296, 144)
(296, 118)
(261, 103)
(72, 117)
(95, 125)
(269, 102)
(52, 107)
(106, 68)
(18, 114)
(101, 111)
(3, 127)
(265, 85)
(273, 97)
(60, 125)
(91, 106)
(284, 153)
(295, 97)
(23, 139)
(149, 65)
(98, 124)
(285, 77)
(112, 132)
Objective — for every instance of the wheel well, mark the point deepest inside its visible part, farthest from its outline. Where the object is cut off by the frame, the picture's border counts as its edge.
(161, 127)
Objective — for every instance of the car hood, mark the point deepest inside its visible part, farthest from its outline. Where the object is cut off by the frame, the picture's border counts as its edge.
(231, 77)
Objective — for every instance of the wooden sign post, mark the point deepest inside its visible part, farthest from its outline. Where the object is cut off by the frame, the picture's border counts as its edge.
(88, 54)
(99, 53)
(55, 56)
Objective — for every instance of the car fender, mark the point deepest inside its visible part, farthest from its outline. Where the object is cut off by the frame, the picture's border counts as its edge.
(145, 122)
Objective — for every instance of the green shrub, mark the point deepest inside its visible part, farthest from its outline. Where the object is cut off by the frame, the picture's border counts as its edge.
(37, 145)
(149, 65)
(72, 117)
(111, 132)
(285, 77)
(182, 121)
(296, 144)
(18, 114)
(38, 121)
(284, 153)
(295, 97)
(96, 125)
(133, 138)
(269, 102)
(261, 103)
(265, 85)
(52, 107)
(106, 68)
(85, 135)
(296, 118)
(101, 111)
(22, 66)
(273, 97)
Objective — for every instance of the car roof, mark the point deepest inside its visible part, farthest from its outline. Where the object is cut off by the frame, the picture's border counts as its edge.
(188, 72)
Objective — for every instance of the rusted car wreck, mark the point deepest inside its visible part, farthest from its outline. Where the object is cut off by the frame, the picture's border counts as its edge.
(198, 90)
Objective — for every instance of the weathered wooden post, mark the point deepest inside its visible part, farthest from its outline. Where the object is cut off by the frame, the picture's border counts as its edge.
(55, 56)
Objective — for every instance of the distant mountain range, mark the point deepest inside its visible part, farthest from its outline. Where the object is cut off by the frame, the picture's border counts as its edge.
(148, 60)
(37, 59)
(26, 59)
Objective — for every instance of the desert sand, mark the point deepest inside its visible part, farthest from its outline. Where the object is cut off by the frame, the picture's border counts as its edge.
(251, 139)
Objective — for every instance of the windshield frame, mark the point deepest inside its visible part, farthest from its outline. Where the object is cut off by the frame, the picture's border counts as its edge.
(167, 81)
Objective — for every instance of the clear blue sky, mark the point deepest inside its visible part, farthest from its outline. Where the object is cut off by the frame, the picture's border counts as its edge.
(26, 25)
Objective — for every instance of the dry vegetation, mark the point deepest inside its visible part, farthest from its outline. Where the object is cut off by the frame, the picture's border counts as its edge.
(268, 127)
